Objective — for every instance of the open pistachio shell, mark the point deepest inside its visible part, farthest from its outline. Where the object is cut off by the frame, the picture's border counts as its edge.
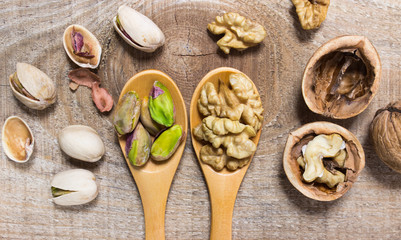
(138, 30)
(17, 139)
(166, 143)
(151, 126)
(127, 113)
(81, 46)
(32, 87)
(74, 187)
(138, 146)
(161, 105)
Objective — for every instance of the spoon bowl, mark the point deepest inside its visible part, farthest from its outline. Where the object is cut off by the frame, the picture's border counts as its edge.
(223, 185)
(154, 178)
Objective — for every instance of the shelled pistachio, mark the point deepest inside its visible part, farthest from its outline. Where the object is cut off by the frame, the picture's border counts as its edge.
(137, 148)
(167, 143)
(127, 113)
(161, 105)
(151, 126)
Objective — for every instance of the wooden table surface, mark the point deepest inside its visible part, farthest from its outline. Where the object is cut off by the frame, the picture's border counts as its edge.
(267, 206)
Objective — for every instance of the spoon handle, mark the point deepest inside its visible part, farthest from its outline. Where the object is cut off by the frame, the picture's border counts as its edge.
(223, 192)
(222, 214)
(154, 191)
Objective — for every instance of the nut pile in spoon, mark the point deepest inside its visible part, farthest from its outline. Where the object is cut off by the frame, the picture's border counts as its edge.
(135, 119)
(232, 116)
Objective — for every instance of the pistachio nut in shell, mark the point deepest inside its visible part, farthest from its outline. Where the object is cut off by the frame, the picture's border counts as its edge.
(353, 165)
(126, 114)
(167, 143)
(81, 142)
(342, 77)
(138, 30)
(74, 187)
(81, 46)
(151, 126)
(17, 139)
(385, 131)
(161, 106)
(137, 148)
(32, 87)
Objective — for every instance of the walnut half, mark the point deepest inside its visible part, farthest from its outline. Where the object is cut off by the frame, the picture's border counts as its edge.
(329, 183)
(311, 13)
(342, 77)
(240, 33)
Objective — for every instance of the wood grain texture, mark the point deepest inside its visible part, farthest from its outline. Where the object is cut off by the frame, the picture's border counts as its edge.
(267, 205)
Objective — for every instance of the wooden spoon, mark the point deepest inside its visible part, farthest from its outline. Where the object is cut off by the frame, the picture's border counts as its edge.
(154, 178)
(223, 185)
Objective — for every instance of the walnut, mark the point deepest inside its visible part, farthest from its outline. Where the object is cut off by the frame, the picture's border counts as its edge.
(320, 150)
(235, 138)
(342, 77)
(232, 115)
(311, 13)
(215, 157)
(240, 33)
(385, 131)
(233, 104)
(334, 167)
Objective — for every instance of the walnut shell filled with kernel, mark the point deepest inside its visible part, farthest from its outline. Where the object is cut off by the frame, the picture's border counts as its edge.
(342, 77)
(385, 131)
(353, 165)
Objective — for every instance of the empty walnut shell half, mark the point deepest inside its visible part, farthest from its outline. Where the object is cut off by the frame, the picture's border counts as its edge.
(342, 77)
(354, 162)
(385, 131)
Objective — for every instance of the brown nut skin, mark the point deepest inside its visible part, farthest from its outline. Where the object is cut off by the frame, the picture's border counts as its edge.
(334, 89)
(354, 163)
(385, 131)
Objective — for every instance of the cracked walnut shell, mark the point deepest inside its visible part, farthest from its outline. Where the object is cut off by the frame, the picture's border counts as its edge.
(240, 33)
(311, 13)
(353, 165)
(342, 77)
(385, 131)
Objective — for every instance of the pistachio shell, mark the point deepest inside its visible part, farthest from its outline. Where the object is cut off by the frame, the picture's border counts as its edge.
(127, 113)
(138, 30)
(167, 143)
(137, 148)
(74, 187)
(151, 126)
(89, 48)
(81, 142)
(161, 106)
(32, 87)
(17, 139)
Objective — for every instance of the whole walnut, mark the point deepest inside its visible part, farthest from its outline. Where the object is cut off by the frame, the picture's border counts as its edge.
(386, 135)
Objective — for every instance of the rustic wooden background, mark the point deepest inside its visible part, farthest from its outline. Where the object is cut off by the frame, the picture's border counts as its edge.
(267, 206)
